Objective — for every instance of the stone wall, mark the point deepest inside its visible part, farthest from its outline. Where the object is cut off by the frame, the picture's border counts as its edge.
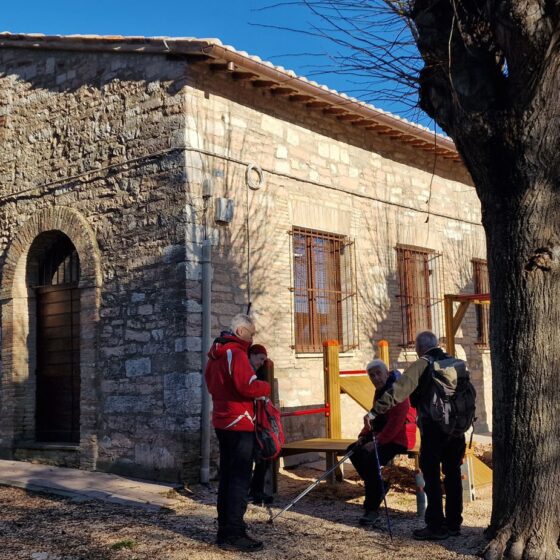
(327, 175)
(124, 143)
(102, 134)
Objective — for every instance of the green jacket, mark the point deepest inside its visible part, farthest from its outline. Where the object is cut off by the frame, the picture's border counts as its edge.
(402, 387)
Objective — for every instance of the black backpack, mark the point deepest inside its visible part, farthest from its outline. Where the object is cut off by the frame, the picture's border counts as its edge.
(451, 395)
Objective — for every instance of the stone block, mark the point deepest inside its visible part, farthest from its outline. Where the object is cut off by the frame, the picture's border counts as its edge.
(138, 366)
(145, 309)
(189, 343)
(193, 306)
(182, 393)
(128, 404)
(138, 336)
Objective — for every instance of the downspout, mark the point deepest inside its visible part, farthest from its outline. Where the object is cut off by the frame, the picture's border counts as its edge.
(206, 407)
(206, 279)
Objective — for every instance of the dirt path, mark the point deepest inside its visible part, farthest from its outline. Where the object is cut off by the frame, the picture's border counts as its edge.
(322, 526)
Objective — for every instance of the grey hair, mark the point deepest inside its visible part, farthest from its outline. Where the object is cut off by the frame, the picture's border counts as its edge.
(241, 320)
(426, 340)
(377, 364)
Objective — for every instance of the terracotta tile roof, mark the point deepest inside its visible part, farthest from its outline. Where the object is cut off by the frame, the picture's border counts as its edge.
(261, 73)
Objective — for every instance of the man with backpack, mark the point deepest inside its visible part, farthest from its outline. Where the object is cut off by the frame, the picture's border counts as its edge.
(234, 386)
(439, 388)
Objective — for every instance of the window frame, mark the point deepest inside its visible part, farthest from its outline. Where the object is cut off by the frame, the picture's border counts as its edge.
(481, 285)
(312, 287)
(431, 301)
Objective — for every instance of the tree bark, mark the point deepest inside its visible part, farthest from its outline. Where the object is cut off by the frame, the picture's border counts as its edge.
(524, 264)
(492, 81)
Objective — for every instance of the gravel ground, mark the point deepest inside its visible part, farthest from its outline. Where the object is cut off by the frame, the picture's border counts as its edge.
(321, 526)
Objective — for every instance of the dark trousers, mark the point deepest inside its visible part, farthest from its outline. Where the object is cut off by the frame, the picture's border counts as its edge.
(366, 465)
(259, 475)
(438, 449)
(236, 463)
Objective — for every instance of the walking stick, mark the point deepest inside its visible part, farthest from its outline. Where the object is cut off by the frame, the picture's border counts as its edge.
(383, 489)
(310, 487)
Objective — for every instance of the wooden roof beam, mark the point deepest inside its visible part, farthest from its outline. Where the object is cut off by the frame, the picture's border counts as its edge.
(301, 98)
(240, 76)
(349, 117)
(317, 104)
(334, 111)
(362, 122)
(377, 127)
(390, 133)
(283, 91)
(264, 83)
(219, 66)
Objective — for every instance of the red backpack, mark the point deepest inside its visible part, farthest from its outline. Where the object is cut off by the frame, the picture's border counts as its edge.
(268, 430)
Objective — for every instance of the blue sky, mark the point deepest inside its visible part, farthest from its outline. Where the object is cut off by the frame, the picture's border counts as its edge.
(234, 22)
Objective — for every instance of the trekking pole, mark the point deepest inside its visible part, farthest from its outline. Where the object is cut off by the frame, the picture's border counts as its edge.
(311, 486)
(383, 489)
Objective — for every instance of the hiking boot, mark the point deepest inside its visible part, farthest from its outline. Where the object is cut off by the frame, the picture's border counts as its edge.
(369, 518)
(427, 534)
(242, 543)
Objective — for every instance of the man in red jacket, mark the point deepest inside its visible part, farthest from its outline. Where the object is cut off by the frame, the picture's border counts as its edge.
(395, 433)
(233, 384)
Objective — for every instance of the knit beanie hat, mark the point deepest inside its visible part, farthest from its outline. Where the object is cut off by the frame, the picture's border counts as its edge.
(257, 349)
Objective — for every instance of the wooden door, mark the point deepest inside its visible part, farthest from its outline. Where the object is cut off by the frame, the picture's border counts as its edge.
(58, 364)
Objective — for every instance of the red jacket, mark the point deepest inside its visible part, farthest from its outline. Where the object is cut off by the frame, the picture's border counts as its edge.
(400, 427)
(233, 384)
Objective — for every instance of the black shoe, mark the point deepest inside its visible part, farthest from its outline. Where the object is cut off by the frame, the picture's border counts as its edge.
(369, 518)
(427, 534)
(453, 531)
(243, 543)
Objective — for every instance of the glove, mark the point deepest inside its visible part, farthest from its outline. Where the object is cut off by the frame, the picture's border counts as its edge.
(370, 417)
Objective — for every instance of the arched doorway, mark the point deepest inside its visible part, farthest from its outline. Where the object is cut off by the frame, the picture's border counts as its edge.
(22, 275)
(57, 402)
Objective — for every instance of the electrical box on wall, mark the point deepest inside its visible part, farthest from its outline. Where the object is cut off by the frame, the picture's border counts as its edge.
(224, 210)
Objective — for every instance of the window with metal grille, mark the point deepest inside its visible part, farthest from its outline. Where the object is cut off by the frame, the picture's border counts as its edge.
(60, 264)
(324, 290)
(419, 291)
(481, 286)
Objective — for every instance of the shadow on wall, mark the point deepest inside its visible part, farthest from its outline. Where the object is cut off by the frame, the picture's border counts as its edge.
(381, 311)
(243, 250)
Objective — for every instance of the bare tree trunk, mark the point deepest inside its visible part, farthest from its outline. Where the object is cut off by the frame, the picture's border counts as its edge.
(524, 260)
(504, 121)
(489, 75)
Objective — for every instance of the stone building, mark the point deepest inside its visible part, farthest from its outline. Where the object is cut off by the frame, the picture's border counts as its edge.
(121, 157)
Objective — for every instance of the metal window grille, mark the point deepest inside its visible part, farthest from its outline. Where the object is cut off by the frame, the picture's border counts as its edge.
(419, 292)
(60, 265)
(324, 290)
(482, 286)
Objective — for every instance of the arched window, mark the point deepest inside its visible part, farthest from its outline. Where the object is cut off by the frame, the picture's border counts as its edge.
(57, 413)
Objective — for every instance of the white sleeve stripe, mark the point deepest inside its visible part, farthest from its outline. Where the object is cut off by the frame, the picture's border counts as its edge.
(229, 355)
(252, 379)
